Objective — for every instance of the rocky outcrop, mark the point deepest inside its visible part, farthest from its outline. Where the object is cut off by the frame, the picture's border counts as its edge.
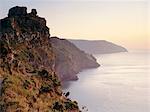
(17, 11)
(69, 59)
(98, 46)
(27, 66)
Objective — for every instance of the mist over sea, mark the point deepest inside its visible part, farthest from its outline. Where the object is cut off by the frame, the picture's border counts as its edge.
(120, 84)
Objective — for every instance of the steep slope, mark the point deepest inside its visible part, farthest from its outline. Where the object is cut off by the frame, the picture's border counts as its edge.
(69, 59)
(98, 46)
(29, 82)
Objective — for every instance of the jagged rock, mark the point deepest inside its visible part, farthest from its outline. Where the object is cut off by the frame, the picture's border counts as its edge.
(20, 23)
(33, 12)
(17, 11)
(30, 83)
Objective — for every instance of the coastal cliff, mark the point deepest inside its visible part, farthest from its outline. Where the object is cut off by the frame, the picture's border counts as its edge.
(27, 66)
(70, 60)
(98, 46)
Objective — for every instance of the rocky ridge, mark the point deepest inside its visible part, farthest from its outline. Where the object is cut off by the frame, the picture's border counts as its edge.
(27, 66)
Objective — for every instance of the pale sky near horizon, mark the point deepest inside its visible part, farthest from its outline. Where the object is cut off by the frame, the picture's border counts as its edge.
(124, 22)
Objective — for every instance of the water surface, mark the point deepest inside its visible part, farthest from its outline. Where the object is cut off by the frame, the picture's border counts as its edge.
(120, 84)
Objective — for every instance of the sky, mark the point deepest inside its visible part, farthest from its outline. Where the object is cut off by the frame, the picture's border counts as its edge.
(124, 22)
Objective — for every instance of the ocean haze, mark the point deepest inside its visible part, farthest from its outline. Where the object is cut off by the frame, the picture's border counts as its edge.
(98, 46)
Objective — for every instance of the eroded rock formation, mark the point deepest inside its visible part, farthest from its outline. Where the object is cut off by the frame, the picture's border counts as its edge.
(30, 83)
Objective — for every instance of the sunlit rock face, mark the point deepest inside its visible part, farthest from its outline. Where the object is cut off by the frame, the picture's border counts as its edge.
(27, 66)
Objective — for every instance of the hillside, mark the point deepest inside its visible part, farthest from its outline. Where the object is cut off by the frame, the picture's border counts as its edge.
(70, 60)
(27, 66)
(98, 46)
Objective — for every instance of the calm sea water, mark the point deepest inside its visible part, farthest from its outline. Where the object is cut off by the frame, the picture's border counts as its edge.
(120, 84)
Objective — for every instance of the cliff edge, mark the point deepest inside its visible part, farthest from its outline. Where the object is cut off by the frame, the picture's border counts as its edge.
(70, 60)
(27, 66)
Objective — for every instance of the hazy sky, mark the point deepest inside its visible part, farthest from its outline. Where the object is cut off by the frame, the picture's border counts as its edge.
(124, 22)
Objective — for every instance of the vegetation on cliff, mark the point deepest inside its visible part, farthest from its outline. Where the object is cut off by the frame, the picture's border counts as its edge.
(27, 66)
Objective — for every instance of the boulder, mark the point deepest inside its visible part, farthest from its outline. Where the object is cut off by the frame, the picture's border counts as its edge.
(33, 12)
(17, 11)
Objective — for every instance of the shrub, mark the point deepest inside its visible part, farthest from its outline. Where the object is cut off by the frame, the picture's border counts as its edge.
(45, 88)
(71, 105)
(57, 106)
(43, 73)
(56, 82)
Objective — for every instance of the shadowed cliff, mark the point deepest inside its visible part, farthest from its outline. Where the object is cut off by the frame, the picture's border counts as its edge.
(70, 60)
(98, 46)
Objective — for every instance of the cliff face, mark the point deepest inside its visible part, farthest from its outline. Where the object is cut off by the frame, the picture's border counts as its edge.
(98, 46)
(69, 59)
(29, 82)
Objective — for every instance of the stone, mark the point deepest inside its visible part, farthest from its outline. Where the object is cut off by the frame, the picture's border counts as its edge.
(33, 12)
(17, 11)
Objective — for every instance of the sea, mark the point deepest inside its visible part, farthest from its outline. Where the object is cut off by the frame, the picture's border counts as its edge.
(120, 84)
